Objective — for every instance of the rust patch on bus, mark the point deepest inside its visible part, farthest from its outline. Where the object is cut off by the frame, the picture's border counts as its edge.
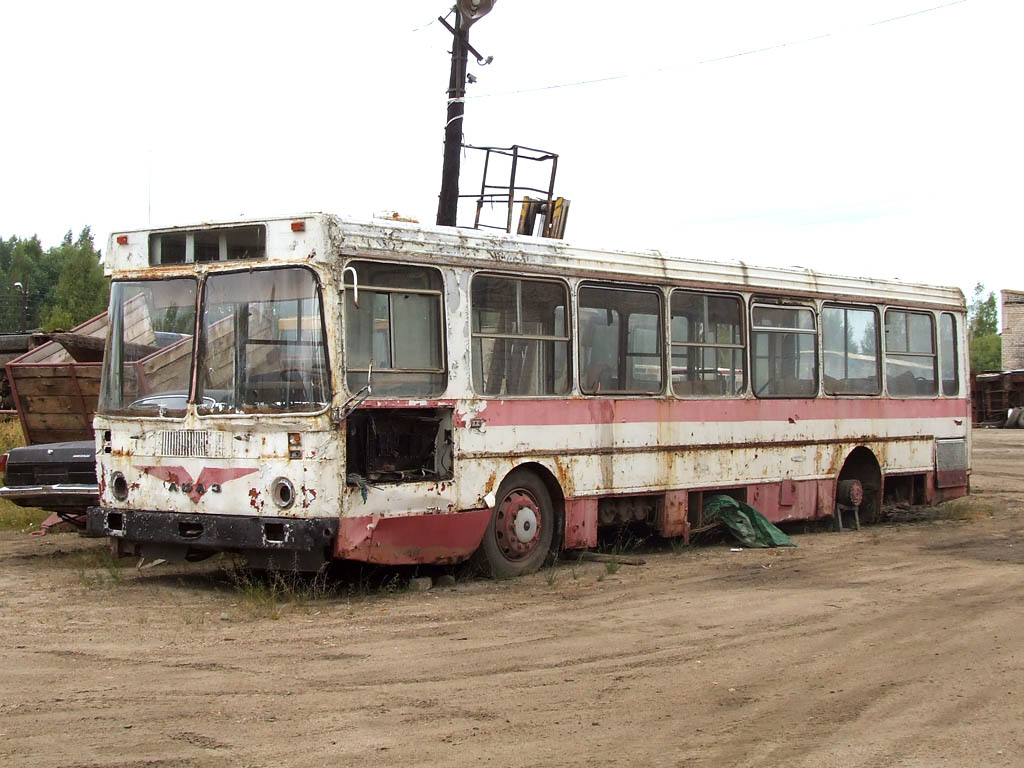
(580, 523)
(255, 501)
(564, 477)
(308, 496)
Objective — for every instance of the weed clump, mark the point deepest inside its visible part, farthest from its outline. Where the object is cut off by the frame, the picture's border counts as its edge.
(266, 593)
(97, 568)
(13, 517)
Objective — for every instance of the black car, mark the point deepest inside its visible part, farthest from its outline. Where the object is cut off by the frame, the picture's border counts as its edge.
(57, 477)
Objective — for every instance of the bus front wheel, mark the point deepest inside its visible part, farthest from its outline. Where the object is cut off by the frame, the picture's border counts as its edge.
(519, 535)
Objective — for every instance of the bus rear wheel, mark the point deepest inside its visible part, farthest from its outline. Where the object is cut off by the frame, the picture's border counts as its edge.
(519, 534)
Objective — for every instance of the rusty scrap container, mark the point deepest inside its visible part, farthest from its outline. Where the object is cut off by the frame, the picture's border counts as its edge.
(54, 394)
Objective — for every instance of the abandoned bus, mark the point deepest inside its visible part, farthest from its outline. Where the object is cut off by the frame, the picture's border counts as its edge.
(312, 388)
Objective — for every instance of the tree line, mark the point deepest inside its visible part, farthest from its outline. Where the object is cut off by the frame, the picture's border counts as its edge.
(58, 287)
(983, 331)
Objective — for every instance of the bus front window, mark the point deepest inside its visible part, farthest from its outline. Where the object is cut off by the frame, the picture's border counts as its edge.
(261, 347)
(148, 364)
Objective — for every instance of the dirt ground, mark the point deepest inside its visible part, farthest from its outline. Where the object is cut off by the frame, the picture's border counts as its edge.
(899, 645)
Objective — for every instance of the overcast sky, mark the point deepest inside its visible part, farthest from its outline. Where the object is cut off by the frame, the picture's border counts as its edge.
(863, 137)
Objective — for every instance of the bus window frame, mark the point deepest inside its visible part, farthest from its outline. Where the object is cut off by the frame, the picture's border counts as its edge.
(444, 371)
(113, 326)
(956, 356)
(742, 346)
(811, 306)
(934, 355)
(655, 290)
(879, 353)
(569, 339)
(263, 266)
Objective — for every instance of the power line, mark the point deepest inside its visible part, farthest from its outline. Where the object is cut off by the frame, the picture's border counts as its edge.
(751, 52)
(768, 48)
(916, 13)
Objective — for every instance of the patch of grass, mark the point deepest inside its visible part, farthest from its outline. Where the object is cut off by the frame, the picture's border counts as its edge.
(97, 568)
(264, 594)
(10, 433)
(626, 540)
(21, 519)
(678, 545)
(551, 577)
(966, 510)
(13, 517)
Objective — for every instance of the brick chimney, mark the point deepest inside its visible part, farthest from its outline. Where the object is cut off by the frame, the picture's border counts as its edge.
(1013, 330)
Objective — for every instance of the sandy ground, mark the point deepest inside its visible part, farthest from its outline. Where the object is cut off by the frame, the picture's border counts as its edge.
(899, 645)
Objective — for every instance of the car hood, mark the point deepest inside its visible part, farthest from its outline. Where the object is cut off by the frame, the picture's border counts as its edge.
(65, 453)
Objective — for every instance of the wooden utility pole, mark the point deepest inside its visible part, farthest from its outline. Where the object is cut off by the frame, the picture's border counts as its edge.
(466, 12)
(448, 201)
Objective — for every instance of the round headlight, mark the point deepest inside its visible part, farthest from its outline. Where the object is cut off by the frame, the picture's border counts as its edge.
(282, 492)
(118, 486)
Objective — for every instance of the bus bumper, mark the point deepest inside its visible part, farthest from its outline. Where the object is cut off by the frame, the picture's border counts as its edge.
(302, 544)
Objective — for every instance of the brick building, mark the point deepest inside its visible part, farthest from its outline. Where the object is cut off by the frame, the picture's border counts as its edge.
(1013, 330)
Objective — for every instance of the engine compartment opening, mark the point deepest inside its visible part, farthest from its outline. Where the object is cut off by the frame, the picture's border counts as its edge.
(399, 445)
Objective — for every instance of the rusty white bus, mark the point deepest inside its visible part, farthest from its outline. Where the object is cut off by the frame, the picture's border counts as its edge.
(312, 388)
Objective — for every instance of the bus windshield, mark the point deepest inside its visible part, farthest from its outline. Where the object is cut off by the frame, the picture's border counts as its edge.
(261, 344)
(148, 365)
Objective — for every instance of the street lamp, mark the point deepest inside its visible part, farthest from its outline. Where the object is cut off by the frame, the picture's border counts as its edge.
(24, 304)
(467, 12)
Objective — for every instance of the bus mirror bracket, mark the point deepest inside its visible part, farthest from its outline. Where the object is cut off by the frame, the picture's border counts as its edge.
(338, 415)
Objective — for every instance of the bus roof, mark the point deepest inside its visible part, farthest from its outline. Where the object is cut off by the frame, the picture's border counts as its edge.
(323, 236)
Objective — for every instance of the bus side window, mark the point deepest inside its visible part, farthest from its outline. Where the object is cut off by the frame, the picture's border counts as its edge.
(398, 326)
(850, 346)
(948, 358)
(910, 353)
(620, 341)
(707, 345)
(520, 336)
(784, 359)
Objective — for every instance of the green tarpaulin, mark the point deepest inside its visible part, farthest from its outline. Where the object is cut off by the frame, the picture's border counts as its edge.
(746, 523)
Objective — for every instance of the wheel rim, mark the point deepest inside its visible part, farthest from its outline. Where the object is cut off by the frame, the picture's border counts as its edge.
(518, 521)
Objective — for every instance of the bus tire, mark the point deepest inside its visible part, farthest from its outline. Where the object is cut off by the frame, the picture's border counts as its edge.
(519, 534)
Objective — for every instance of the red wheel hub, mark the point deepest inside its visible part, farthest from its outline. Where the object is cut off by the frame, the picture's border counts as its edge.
(517, 524)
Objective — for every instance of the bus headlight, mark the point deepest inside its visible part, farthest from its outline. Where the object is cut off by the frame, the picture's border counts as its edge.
(119, 486)
(282, 492)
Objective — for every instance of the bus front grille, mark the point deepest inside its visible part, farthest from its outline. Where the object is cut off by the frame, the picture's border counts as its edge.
(189, 443)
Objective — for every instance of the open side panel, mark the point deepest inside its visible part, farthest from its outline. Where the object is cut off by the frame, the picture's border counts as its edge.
(400, 445)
